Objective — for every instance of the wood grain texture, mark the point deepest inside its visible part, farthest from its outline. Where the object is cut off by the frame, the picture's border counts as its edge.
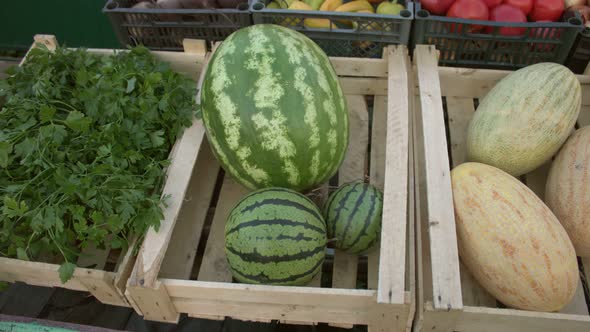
(395, 191)
(180, 255)
(214, 266)
(441, 218)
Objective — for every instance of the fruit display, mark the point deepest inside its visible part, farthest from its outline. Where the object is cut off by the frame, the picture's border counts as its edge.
(510, 241)
(273, 109)
(275, 236)
(513, 11)
(567, 191)
(381, 7)
(353, 217)
(522, 122)
(187, 4)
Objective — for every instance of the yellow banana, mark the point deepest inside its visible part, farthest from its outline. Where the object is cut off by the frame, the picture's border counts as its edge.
(318, 23)
(330, 5)
(355, 6)
(300, 5)
(284, 3)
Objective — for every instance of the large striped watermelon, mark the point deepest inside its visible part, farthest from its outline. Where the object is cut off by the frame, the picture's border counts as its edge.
(274, 110)
(525, 118)
(275, 236)
(353, 217)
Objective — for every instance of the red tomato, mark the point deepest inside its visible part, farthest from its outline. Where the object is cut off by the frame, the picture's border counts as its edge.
(525, 5)
(492, 3)
(547, 10)
(471, 10)
(544, 33)
(437, 7)
(508, 13)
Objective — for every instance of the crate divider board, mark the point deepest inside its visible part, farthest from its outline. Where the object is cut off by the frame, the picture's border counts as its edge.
(107, 286)
(475, 308)
(387, 304)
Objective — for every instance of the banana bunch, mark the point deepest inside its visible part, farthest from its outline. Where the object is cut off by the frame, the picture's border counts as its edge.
(355, 6)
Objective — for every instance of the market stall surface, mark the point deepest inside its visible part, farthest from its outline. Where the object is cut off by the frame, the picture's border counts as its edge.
(67, 306)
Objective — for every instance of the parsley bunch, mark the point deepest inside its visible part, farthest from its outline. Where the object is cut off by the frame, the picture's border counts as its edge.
(84, 142)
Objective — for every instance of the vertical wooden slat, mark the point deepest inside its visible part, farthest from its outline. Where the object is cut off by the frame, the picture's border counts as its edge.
(393, 230)
(214, 265)
(441, 219)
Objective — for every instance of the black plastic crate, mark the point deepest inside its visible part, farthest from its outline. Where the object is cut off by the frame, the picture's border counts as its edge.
(580, 53)
(164, 29)
(540, 42)
(364, 35)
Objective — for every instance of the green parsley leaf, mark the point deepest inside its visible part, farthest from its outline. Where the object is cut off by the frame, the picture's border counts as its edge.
(66, 271)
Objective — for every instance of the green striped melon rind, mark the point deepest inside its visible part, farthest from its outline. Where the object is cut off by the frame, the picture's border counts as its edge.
(524, 120)
(274, 110)
(353, 217)
(275, 236)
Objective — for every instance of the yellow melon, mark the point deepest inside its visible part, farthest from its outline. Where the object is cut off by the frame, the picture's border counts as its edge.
(510, 241)
(568, 189)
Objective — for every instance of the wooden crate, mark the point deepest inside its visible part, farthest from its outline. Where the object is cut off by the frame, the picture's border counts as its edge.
(107, 278)
(449, 299)
(182, 268)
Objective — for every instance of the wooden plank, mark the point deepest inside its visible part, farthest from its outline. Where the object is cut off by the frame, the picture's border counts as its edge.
(584, 117)
(440, 219)
(345, 270)
(460, 111)
(363, 86)
(378, 135)
(473, 293)
(194, 46)
(393, 228)
(154, 302)
(468, 83)
(509, 320)
(352, 169)
(410, 277)
(353, 165)
(149, 258)
(359, 67)
(316, 281)
(103, 288)
(214, 265)
(180, 256)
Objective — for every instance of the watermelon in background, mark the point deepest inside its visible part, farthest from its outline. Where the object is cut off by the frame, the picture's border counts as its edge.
(275, 236)
(273, 109)
(353, 217)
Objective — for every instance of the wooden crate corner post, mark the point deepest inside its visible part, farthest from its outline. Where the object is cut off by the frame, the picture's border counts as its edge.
(145, 292)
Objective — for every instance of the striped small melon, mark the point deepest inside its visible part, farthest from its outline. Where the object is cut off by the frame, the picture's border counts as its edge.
(275, 236)
(568, 189)
(353, 217)
(274, 110)
(510, 241)
(525, 118)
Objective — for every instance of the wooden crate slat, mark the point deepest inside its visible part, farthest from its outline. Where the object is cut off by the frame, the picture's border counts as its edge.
(377, 172)
(460, 111)
(363, 86)
(149, 257)
(180, 255)
(352, 169)
(460, 87)
(214, 266)
(584, 118)
(440, 219)
(394, 223)
(359, 67)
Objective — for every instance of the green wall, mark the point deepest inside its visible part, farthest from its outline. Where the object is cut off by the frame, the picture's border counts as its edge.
(74, 22)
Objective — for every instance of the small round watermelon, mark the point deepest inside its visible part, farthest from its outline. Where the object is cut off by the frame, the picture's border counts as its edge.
(275, 236)
(353, 217)
(274, 110)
